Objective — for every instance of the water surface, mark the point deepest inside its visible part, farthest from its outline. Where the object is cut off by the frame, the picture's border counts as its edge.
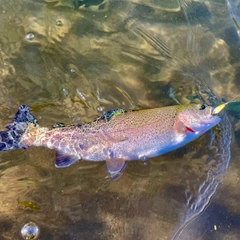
(72, 60)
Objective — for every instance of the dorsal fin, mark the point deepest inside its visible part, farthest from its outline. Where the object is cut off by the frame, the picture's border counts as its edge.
(59, 125)
(108, 115)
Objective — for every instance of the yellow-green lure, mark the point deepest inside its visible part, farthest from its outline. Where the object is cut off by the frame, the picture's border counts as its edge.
(220, 107)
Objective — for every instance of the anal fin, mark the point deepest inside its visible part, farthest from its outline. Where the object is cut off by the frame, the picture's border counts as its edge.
(65, 159)
(115, 167)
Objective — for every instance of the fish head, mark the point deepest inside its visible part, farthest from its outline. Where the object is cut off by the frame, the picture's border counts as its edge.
(198, 118)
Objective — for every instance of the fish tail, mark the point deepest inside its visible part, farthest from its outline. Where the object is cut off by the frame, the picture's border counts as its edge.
(11, 138)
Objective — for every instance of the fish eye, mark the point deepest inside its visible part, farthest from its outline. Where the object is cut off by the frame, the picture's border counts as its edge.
(202, 107)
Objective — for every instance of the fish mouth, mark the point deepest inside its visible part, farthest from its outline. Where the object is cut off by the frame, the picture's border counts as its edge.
(204, 125)
(211, 120)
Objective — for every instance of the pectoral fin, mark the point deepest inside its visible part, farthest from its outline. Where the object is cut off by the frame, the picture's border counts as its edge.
(65, 160)
(115, 167)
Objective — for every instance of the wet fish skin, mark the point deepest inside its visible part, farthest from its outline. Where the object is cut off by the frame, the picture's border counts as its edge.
(116, 137)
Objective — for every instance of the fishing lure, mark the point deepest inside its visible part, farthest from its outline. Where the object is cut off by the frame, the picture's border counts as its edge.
(220, 107)
(115, 137)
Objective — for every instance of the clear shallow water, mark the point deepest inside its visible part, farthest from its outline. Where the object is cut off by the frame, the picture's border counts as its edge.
(70, 66)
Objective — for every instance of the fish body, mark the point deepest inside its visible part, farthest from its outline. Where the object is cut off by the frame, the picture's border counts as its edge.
(117, 136)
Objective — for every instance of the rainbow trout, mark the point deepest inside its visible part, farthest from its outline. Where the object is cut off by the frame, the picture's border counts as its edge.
(115, 137)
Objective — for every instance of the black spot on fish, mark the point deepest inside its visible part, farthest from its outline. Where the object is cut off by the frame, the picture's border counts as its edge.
(111, 154)
(4, 136)
(82, 146)
(2, 146)
(10, 142)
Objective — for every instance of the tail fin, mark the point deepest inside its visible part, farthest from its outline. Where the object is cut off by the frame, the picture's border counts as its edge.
(10, 139)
